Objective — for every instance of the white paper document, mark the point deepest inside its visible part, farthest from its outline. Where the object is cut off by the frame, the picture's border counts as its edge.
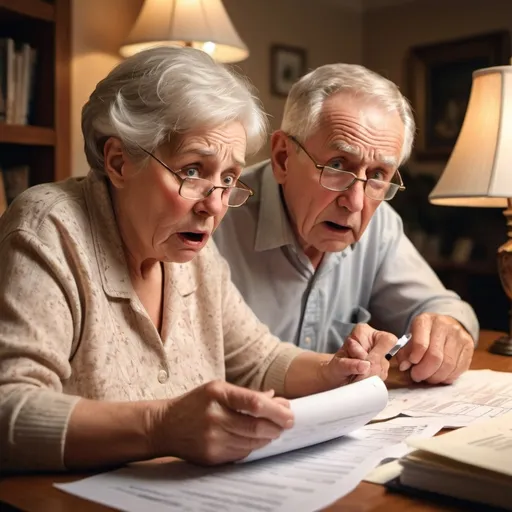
(477, 395)
(325, 416)
(487, 445)
(304, 480)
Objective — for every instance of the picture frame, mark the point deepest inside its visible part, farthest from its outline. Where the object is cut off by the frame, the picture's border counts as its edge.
(439, 86)
(287, 65)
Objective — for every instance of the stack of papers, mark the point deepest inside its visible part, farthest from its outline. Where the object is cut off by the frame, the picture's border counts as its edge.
(473, 463)
(477, 395)
(324, 457)
(306, 479)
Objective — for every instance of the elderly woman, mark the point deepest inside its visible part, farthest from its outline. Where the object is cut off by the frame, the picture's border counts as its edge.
(121, 335)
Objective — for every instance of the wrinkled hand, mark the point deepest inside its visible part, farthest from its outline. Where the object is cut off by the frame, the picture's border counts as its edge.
(217, 423)
(440, 349)
(362, 356)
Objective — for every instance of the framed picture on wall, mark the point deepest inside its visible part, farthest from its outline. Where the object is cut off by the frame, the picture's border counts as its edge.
(439, 86)
(287, 65)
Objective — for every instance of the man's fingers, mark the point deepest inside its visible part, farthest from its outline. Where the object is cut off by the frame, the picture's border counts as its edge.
(354, 349)
(420, 339)
(362, 334)
(256, 404)
(383, 343)
(463, 363)
(433, 357)
(344, 367)
(452, 350)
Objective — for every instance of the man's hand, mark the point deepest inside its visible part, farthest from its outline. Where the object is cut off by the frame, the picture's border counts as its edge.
(365, 344)
(217, 422)
(440, 349)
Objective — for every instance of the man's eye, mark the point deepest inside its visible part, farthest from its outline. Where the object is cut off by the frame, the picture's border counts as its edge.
(337, 164)
(378, 175)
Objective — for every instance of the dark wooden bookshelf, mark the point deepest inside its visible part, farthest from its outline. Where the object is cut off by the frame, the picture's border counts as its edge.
(31, 8)
(26, 135)
(43, 144)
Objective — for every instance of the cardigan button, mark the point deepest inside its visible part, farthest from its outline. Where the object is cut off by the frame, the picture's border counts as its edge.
(162, 376)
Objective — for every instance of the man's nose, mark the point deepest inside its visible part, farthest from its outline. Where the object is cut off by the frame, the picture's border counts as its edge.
(353, 197)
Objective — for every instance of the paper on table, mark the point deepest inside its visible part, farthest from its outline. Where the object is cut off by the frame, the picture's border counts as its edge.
(325, 416)
(306, 479)
(402, 428)
(486, 445)
(477, 395)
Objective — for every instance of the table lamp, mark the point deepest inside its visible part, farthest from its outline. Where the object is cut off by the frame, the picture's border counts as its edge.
(479, 171)
(202, 24)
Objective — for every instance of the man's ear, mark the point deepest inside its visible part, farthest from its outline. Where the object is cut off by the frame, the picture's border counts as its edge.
(113, 157)
(279, 154)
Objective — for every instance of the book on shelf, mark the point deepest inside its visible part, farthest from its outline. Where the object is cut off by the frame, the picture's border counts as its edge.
(17, 81)
(472, 464)
(14, 181)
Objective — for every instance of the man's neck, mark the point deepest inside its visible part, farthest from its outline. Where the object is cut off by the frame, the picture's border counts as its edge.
(314, 256)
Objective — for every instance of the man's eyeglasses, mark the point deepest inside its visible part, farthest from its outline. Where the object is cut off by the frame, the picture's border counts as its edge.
(198, 188)
(339, 180)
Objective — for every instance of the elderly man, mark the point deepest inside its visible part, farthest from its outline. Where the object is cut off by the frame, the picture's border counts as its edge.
(318, 249)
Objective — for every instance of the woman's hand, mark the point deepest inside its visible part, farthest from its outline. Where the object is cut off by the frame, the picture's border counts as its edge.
(217, 422)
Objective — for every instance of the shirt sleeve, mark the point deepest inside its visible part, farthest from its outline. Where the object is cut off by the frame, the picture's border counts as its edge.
(36, 339)
(254, 357)
(406, 285)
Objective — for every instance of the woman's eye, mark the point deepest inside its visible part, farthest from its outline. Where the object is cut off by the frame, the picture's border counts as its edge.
(229, 181)
(190, 172)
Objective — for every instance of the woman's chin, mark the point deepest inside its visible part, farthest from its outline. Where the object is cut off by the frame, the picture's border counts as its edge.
(181, 256)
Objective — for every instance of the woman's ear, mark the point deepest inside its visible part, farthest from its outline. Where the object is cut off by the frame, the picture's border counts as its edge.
(113, 157)
(279, 155)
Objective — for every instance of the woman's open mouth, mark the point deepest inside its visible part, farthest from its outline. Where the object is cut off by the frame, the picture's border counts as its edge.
(191, 238)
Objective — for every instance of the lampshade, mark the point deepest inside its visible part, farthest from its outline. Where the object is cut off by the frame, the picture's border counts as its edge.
(479, 171)
(202, 24)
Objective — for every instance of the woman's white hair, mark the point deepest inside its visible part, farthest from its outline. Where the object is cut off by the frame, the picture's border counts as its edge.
(164, 92)
(306, 99)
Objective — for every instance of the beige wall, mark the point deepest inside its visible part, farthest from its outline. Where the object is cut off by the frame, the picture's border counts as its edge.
(391, 31)
(328, 33)
(99, 26)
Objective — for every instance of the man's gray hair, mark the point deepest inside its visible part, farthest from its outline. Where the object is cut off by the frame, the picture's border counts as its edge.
(307, 96)
(164, 92)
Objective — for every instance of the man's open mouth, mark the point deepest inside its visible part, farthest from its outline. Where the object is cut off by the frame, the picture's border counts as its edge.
(192, 237)
(337, 227)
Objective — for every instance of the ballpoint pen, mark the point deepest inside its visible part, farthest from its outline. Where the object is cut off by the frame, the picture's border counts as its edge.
(399, 344)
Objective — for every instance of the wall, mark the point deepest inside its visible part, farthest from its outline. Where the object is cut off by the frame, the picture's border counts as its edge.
(96, 41)
(389, 33)
(328, 33)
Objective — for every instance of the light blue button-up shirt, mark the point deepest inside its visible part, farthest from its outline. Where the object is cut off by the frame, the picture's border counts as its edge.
(381, 279)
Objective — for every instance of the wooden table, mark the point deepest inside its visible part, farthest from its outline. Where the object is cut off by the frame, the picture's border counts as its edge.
(36, 493)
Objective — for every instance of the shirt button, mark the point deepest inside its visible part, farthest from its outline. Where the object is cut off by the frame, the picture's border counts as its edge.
(307, 340)
(162, 376)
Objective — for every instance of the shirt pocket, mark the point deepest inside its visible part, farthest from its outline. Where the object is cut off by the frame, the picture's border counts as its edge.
(340, 329)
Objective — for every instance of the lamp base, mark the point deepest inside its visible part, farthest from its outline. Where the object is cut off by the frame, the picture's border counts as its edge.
(502, 346)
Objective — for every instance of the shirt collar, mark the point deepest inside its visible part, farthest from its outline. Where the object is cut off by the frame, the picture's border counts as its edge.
(273, 229)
